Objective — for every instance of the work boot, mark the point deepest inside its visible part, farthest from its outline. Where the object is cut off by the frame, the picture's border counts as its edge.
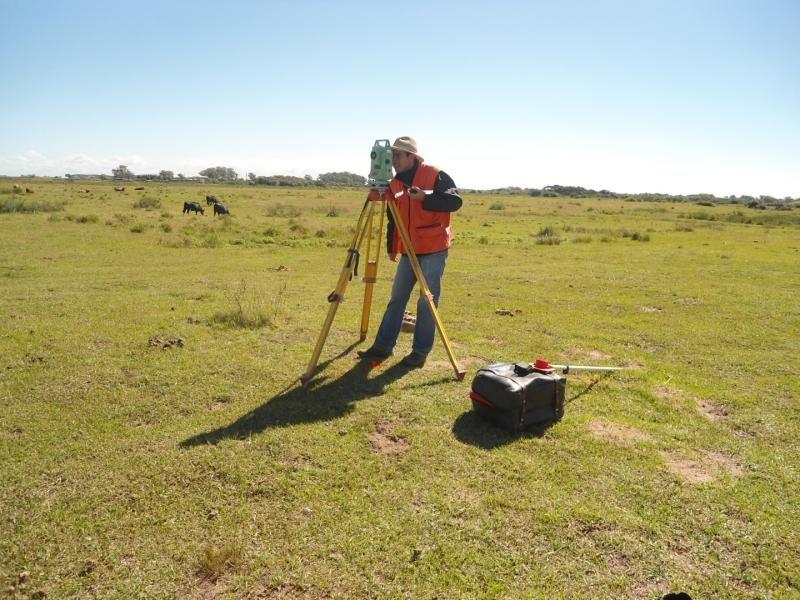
(373, 353)
(415, 360)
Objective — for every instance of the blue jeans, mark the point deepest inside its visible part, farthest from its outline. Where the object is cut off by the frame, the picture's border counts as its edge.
(404, 280)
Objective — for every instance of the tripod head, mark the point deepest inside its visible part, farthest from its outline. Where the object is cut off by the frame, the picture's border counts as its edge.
(380, 168)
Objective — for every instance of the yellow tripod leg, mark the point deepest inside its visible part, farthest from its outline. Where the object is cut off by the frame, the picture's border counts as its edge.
(337, 295)
(371, 268)
(423, 288)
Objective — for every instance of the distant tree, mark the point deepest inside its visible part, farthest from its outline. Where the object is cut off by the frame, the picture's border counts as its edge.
(166, 175)
(220, 173)
(181, 176)
(342, 178)
(281, 180)
(251, 177)
(122, 172)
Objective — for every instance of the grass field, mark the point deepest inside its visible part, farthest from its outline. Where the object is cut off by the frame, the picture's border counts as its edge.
(154, 443)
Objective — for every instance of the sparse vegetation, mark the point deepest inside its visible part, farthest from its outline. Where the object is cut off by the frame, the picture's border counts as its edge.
(154, 442)
(147, 202)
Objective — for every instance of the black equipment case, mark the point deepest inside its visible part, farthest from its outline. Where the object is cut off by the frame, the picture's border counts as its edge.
(517, 396)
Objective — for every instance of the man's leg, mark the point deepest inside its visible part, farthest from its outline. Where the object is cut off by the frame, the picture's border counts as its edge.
(433, 269)
(389, 329)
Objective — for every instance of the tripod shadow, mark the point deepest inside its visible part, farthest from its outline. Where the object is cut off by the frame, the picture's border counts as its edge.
(322, 400)
(471, 429)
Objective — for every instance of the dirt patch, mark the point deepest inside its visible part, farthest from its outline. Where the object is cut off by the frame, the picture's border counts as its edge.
(666, 393)
(384, 440)
(505, 312)
(579, 355)
(712, 411)
(617, 433)
(650, 309)
(166, 342)
(709, 467)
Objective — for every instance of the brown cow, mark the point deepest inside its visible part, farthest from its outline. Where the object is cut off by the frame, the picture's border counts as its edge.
(28, 190)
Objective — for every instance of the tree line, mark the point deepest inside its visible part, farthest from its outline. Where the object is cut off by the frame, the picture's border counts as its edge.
(229, 175)
(572, 191)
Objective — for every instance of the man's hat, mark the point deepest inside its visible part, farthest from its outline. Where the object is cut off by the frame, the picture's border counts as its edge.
(407, 144)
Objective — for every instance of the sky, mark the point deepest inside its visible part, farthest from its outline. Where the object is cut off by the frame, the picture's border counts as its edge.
(663, 96)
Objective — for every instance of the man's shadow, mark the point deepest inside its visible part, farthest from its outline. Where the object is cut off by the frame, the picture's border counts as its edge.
(321, 400)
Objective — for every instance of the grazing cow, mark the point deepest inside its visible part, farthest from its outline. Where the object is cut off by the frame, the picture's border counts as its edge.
(193, 207)
(119, 189)
(221, 209)
(28, 190)
(17, 188)
(138, 188)
(212, 200)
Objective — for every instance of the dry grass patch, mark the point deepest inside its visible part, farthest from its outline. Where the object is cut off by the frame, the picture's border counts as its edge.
(666, 393)
(711, 466)
(617, 433)
(712, 411)
(650, 309)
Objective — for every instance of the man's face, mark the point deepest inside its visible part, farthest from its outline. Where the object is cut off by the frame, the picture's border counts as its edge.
(402, 161)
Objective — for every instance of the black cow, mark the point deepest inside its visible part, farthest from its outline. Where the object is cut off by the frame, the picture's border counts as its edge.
(221, 209)
(211, 200)
(193, 206)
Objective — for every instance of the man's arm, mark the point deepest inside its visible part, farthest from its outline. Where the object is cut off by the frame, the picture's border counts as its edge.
(445, 196)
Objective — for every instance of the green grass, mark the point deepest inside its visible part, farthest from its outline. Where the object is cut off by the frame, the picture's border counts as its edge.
(134, 466)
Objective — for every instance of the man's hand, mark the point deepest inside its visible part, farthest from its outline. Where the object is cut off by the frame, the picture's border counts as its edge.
(416, 194)
(374, 195)
(393, 256)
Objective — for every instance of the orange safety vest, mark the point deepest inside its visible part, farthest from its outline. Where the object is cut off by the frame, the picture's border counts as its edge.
(429, 230)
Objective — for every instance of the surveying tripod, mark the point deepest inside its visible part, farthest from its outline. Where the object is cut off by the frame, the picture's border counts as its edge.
(366, 228)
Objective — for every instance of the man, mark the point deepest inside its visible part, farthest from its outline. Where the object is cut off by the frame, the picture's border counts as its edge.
(425, 198)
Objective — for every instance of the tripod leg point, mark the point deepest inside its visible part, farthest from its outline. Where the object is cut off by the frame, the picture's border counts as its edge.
(460, 375)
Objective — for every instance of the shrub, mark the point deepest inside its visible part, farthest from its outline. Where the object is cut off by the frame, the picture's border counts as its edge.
(549, 240)
(270, 232)
(166, 227)
(547, 236)
(483, 240)
(546, 232)
(332, 212)
(497, 206)
(582, 239)
(86, 219)
(216, 561)
(138, 228)
(298, 228)
(211, 241)
(251, 308)
(22, 205)
(148, 202)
